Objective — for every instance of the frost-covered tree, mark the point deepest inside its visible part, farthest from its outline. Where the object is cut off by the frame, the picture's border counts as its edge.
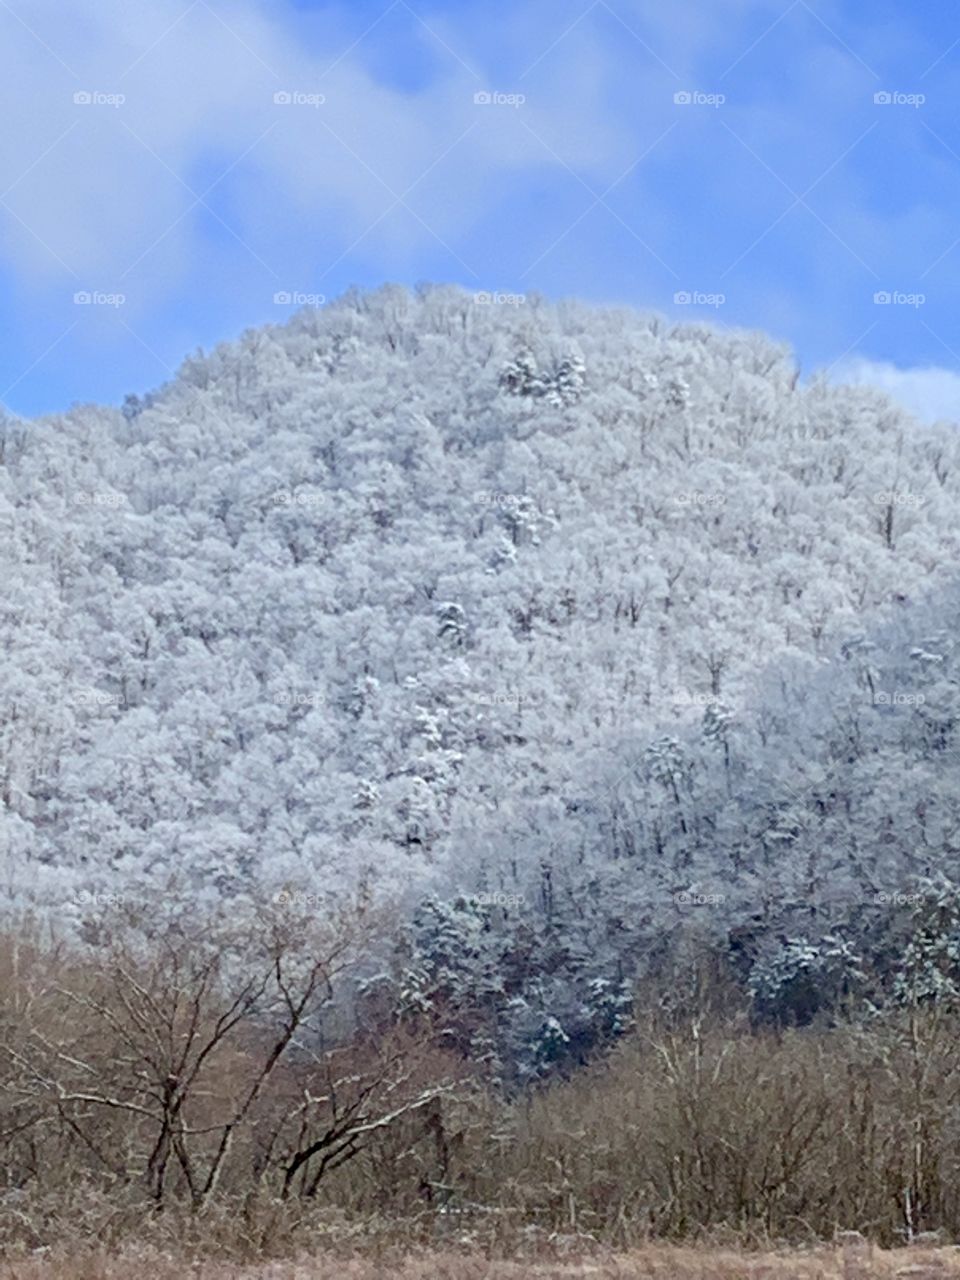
(613, 617)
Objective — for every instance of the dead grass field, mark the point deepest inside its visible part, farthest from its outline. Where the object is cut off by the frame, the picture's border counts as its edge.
(651, 1263)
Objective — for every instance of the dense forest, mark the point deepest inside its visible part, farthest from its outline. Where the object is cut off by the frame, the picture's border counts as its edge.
(573, 638)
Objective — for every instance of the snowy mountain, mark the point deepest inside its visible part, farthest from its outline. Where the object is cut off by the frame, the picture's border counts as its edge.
(602, 619)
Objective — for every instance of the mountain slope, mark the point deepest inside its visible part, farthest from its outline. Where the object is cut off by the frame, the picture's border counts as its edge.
(392, 598)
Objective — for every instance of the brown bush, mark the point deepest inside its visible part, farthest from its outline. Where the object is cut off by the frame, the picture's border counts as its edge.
(208, 1092)
(794, 1135)
(653, 1262)
(192, 1067)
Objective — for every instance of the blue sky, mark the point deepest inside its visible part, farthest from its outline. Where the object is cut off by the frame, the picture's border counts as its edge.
(783, 187)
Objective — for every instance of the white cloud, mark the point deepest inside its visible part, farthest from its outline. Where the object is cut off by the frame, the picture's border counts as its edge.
(931, 393)
(93, 189)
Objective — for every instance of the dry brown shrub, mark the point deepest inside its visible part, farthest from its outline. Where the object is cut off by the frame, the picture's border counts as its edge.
(166, 1097)
(654, 1262)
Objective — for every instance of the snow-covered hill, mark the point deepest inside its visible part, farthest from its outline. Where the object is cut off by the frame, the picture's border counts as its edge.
(419, 594)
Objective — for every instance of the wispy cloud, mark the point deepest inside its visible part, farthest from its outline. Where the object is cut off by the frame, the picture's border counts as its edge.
(931, 394)
(201, 154)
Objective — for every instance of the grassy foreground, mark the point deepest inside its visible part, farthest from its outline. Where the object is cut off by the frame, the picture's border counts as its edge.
(655, 1262)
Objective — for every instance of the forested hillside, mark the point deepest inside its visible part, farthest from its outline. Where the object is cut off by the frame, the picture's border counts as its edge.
(564, 629)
